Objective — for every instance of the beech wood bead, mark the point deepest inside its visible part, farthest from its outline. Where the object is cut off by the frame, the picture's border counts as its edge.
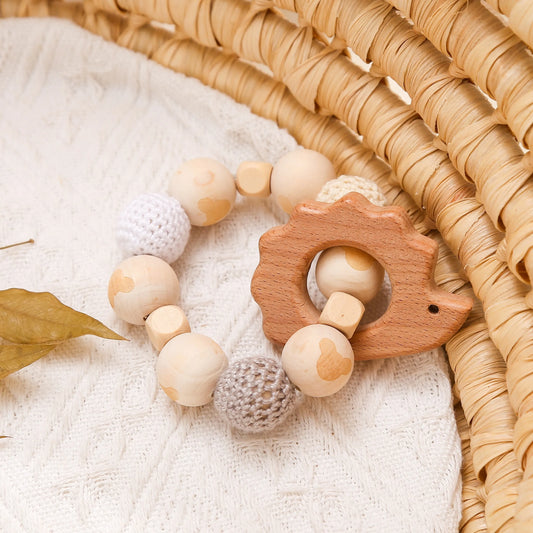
(188, 368)
(165, 323)
(253, 179)
(349, 270)
(318, 359)
(141, 284)
(343, 312)
(298, 176)
(205, 189)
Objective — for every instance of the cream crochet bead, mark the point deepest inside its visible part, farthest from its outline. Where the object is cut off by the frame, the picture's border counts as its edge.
(154, 224)
(335, 189)
(255, 394)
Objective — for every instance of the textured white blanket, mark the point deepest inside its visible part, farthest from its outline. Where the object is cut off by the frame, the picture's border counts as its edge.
(85, 127)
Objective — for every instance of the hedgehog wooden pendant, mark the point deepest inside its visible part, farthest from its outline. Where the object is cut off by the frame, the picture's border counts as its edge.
(420, 315)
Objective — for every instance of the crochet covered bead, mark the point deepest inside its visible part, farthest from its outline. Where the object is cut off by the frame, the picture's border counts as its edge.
(154, 224)
(255, 394)
(335, 189)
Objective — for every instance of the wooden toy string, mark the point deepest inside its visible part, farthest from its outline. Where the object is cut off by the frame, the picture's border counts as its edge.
(469, 187)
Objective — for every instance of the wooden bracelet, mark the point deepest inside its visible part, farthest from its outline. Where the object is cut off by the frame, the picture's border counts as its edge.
(360, 239)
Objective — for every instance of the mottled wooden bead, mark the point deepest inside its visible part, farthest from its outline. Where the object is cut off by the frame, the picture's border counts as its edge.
(188, 368)
(346, 269)
(165, 323)
(141, 284)
(253, 179)
(343, 312)
(299, 176)
(205, 189)
(318, 359)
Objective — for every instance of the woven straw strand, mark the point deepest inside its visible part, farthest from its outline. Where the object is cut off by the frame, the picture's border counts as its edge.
(473, 519)
(479, 147)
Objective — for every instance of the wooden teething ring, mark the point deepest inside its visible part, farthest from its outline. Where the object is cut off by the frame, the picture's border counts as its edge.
(420, 316)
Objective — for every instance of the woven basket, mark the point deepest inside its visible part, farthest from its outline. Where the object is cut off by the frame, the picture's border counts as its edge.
(456, 158)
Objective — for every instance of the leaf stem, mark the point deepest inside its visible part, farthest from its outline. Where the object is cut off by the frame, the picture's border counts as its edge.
(29, 241)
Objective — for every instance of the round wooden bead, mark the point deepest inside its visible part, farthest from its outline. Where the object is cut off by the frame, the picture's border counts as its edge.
(299, 176)
(188, 368)
(141, 284)
(206, 190)
(347, 269)
(318, 359)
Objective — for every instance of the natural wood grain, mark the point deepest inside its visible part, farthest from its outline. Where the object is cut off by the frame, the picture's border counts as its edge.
(420, 316)
(299, 175)
(253, 179)
(343, 312)
(164, 324)
(188, 368)
(349, 270)
(141, 284)
(205, 189)
(318, 359)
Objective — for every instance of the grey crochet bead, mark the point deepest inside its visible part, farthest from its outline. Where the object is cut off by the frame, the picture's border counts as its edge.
(255, 394)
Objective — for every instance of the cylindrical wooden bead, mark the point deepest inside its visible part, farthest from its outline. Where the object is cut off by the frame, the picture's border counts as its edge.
(299, 176)
(346, 269)
(141, 284)
(318, 359)
(165, 323)
(188, 368)
(343, 312)
(206, 190)
(253, 179)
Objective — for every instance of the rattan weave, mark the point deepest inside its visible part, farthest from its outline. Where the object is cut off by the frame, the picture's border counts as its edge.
(456, 158)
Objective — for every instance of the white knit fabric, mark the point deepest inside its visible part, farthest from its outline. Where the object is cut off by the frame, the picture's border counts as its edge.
(154, 224)
(86, 127)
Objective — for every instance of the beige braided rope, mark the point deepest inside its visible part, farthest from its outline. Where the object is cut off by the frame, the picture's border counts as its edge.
(489, 413)
(500, 462)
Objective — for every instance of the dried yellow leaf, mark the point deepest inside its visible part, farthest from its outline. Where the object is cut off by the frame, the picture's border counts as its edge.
(40, 318)
(13, 357)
